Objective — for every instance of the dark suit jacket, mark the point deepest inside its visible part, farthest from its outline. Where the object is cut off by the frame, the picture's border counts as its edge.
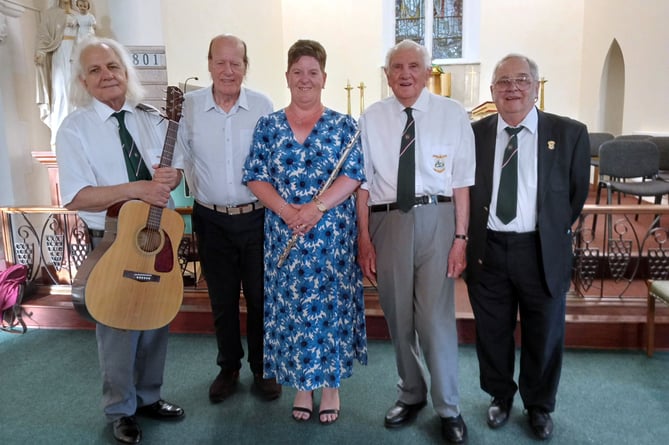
(564, 180)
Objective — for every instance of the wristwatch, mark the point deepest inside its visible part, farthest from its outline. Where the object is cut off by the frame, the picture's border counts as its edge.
(320, 205)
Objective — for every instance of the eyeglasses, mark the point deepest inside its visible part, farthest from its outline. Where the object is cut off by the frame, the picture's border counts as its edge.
(507, 83)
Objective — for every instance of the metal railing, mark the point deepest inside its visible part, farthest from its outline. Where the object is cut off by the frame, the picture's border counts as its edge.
(608, 257)
(53, 243)
(625, 244)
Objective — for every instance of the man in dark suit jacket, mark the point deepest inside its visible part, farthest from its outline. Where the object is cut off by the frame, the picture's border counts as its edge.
(520, 259)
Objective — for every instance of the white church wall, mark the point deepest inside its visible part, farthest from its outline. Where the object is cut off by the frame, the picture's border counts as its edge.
(549, 32)
(641, 31)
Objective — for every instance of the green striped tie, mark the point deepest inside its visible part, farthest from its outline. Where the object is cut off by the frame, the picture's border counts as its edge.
(137, 170)
(406, 173)
(507, 195)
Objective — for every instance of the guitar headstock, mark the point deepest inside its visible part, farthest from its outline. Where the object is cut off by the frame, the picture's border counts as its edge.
(174, 99)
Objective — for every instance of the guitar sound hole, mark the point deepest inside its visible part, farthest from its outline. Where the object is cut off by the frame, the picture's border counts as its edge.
(149, 240)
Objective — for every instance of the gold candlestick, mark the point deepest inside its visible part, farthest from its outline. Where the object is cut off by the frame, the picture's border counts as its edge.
(434, 81)
(445, 79)
(348, 89)
(362, 96)
(541, 93)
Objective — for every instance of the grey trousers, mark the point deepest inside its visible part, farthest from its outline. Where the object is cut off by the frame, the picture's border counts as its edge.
(132, 364)
(418, 300)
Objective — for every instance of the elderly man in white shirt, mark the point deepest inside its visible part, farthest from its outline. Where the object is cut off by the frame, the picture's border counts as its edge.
(416, 250)
(215, 138)
(96, 174)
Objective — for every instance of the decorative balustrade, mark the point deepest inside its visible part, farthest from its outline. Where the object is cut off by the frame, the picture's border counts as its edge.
(627, 243)
(53, 243)
(611, 252)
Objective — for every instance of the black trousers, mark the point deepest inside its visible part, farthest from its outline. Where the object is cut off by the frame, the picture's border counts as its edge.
(512, 282)
(231, 255)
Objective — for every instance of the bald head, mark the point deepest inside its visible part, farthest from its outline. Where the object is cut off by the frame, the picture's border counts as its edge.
(228, 39)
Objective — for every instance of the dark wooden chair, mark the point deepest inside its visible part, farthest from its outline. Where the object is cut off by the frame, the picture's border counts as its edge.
(657, 290)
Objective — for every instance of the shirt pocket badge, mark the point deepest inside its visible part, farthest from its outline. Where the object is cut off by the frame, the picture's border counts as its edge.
(439, 163)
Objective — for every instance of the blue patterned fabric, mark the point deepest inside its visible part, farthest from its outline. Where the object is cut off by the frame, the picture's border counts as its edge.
(314, 304)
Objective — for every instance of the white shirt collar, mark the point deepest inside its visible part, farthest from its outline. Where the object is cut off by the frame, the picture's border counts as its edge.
(242, 101)
(105, 111)
(421, 103)
(531, 122)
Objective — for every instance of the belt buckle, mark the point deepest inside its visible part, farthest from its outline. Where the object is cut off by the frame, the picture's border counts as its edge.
(423, 200)
(232, 210)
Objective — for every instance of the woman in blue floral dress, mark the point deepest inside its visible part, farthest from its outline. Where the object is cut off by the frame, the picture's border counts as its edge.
(314, 308)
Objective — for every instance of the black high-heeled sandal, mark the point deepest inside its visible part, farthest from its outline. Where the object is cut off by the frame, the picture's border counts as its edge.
(302, 409)
(328, 411)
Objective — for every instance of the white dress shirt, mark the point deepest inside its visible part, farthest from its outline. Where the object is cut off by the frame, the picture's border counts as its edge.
(526, 206)
(89, 150)
(215, 145)
(445, 156)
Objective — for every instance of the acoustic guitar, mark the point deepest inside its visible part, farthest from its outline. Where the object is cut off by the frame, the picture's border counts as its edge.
(132, 279)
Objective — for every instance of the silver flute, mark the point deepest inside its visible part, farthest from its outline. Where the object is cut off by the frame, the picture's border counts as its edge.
(325, 186)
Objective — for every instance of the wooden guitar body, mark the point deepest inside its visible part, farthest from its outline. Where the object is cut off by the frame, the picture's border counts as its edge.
(137, 284)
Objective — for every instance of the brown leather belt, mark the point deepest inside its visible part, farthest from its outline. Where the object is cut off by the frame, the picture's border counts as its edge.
(419, 201)
(234, 210)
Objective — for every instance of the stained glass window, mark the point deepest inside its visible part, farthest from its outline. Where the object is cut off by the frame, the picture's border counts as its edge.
(445, 23)
(447, 29)
(410, 20)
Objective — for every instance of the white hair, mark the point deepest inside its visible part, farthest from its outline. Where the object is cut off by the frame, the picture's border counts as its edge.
(409, 44)
(534, 68)
(79, 96)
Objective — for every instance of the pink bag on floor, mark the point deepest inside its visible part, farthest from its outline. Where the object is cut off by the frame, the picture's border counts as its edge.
(12, 280)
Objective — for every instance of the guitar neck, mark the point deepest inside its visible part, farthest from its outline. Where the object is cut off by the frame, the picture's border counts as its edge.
(156, 213)
(170, 142)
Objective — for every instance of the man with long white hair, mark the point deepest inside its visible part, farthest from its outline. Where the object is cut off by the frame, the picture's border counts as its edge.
(95, 174)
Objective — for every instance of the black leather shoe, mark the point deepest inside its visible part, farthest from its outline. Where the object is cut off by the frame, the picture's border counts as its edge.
(223, 385)
(498, 412)
(541, 423)
(453, 429)
(161, 410)
(402, 413)
(268, 388)
(126, 430)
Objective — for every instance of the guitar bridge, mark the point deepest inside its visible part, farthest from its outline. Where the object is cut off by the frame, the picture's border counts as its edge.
(141, 276)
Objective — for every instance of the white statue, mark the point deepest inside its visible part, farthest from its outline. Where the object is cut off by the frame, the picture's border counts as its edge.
(85, 20)
(56, 37)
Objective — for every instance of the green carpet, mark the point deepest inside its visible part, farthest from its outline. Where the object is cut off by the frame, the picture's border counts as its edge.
(50, 394)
